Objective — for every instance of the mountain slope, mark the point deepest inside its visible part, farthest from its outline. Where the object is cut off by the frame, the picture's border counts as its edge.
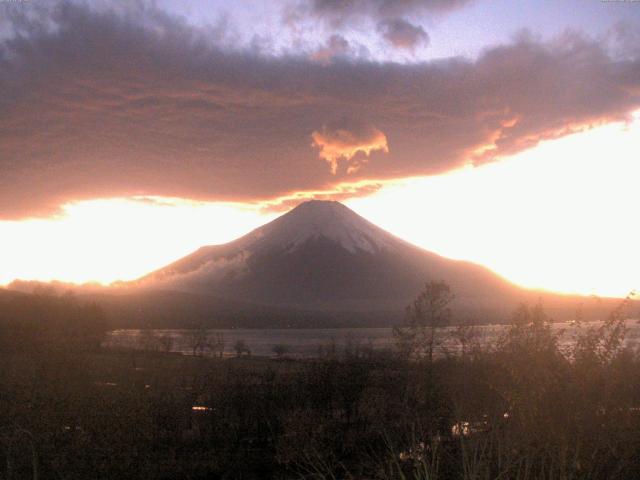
(322, 255)
(320, 265)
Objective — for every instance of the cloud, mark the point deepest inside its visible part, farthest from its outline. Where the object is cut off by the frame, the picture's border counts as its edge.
(341, 192)
(380, 9)
(624, 38)
(336, 46)
(201, 278)
(99, 104)
(344, 139)
(402, 34)
(385, 15)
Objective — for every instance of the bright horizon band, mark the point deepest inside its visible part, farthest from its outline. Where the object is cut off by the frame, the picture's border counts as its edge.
(558, 217)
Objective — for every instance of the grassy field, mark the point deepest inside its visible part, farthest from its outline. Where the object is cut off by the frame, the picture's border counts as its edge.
(521, 407)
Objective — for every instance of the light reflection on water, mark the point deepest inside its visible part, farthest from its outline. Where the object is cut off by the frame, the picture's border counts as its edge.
(313, 342)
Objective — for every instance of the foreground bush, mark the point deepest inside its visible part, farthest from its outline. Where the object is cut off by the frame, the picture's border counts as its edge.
(519, 409)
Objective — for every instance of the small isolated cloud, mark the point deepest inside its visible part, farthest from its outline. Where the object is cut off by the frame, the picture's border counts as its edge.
(402, 34)
(344, 139)
(336, 46)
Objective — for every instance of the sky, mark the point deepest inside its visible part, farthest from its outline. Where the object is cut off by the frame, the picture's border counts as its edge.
(502, 133)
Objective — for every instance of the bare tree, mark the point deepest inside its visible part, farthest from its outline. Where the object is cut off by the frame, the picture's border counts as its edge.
(149, 340)
(219, 344)
(198, 339)
(166, 342)
(428, 312)
(465, 334)
(241, 347)
(603, 343)
(280, 350)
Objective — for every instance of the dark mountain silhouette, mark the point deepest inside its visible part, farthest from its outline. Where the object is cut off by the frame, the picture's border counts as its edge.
(323, 257)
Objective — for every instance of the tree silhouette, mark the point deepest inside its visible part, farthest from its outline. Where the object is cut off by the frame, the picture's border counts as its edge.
(280, 350)
(241, 347)
(428, 312)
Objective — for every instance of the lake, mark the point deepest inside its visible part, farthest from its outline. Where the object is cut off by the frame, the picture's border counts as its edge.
(305, 343)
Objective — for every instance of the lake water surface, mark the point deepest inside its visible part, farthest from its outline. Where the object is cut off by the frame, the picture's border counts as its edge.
(313, 342)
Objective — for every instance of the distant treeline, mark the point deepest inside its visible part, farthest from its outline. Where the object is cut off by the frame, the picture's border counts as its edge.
(133, 308)
(44, 321)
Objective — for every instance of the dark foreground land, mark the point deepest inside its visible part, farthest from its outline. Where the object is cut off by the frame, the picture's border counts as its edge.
(519, 409)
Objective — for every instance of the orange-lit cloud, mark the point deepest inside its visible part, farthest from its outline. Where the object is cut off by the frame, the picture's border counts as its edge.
(503, 122)
(105, 104)
(339, 193)
(346, 138)
(560, 216)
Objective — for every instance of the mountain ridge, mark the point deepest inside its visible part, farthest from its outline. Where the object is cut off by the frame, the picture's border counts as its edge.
(323, 255)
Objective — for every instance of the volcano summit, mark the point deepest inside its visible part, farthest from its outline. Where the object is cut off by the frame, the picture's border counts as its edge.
(322, 255)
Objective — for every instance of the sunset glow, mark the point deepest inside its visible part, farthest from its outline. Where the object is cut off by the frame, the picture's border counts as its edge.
(561, 216)
(117, 239)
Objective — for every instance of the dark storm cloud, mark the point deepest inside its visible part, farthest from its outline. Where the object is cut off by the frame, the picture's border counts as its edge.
(402, 34)
(104, 104)
(381, 9)
(387, 15)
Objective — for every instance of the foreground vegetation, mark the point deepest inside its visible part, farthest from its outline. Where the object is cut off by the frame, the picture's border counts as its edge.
(520, 409)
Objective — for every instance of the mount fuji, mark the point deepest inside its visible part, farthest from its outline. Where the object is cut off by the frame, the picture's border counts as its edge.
(319, 265)
(322, 256)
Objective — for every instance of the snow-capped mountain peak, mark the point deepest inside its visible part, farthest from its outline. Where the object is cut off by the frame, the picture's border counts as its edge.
(320, 253)
(331, 220)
